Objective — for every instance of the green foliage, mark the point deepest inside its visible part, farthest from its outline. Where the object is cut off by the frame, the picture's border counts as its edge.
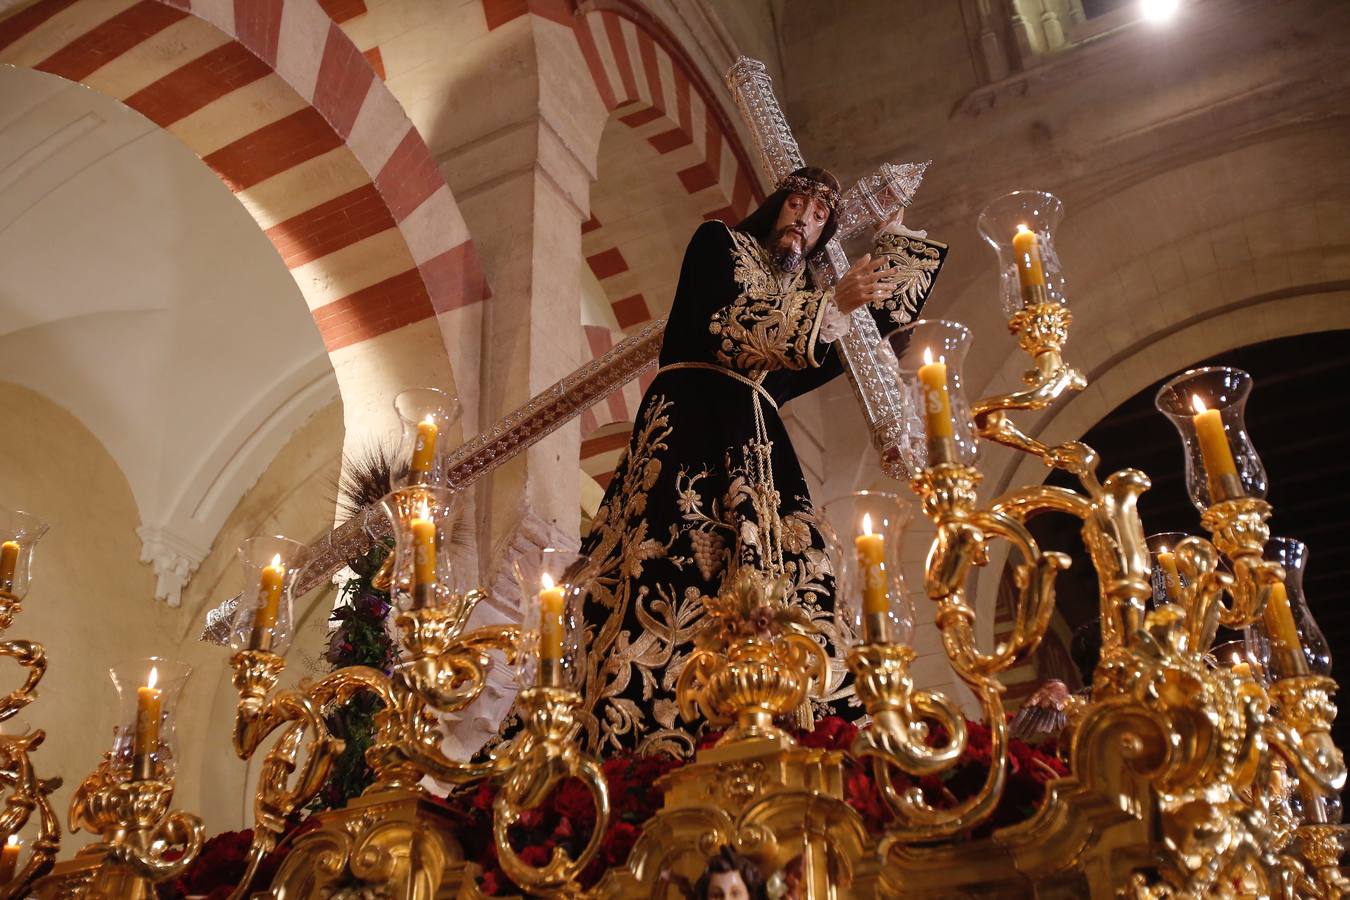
(360, 639)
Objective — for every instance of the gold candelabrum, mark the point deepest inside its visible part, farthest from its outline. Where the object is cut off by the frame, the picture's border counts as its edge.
(26, 795)
(392, 841)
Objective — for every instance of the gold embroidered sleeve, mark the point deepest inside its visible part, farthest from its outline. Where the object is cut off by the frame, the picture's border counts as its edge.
(912, 263)
(769, 325)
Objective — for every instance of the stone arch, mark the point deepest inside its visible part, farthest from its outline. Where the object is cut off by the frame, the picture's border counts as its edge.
(652, 89)
(278, 102)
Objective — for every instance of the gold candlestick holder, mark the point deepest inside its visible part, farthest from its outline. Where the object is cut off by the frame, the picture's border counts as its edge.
(1212, 748)
(142, 842)
(443, 670)
(755, 661)
(25, 794)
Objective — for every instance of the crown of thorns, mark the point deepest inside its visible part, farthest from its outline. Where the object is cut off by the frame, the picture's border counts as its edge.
(799, 184)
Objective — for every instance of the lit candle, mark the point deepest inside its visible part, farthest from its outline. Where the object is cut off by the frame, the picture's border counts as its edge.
(1030, 269)
(871, 550)
(1283, 631)
(1217, 456)
(937, 409)
(1167, 561)
(424, 451)
(551, 599)
(424, 556)
(269, 604)
(9, 561)
(9, 859)
(146, 740)
(872, 559)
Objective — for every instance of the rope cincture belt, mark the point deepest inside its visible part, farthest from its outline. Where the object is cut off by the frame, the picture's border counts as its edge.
(723, 370)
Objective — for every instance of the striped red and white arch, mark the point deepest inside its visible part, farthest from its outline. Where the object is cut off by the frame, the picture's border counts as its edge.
(276, 99)
(650, 85)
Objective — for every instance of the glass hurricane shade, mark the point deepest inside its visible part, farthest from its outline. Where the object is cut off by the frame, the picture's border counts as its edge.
(1029, 269)
(19, 534)
(265, 616)
(426, 416)
(553, 586)
(424, 521)
(1293, 555)
(865, 534)
(145, 740)
(1208, 406)
(930, 359)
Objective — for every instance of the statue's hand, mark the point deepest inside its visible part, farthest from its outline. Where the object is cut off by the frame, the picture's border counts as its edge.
(863, 283)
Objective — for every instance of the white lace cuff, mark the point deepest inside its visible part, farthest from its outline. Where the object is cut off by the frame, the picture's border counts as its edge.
(835, 324)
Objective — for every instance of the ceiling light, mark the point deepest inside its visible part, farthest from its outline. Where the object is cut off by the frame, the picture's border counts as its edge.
(1158, 10)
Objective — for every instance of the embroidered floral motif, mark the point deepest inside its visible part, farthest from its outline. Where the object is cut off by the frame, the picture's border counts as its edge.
(638, 648)
(912, 264)
(770, 324)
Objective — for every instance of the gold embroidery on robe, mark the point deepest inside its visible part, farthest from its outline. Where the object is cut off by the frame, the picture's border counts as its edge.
(911, 263)
(770, 325)
(710, 530)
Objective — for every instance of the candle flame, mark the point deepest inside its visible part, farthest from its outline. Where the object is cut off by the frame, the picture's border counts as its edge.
(927, 356)
(867, 523)
(424, 511)
(430, 419)
(13, 840)
(1022, 228)
(1162, 549)
(1197, 404)
(547, 581)
(154, 677)
(276, 561)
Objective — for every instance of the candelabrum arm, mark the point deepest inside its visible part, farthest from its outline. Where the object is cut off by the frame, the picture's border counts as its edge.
(959, 544)
(32, 657)
(545, 754)
(919, 821)
(180, 834)
(299, 713)
(449, 672)
(1301, 731)
(901, 716)
(963, 536)
(27, 794)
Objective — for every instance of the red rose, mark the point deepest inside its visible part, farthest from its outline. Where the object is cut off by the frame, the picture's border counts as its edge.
(531, 818)
(572, 800)
(536, 855)
(618, 842)
(831, 733)
(490, 883)
(483, 797)
(863, 795)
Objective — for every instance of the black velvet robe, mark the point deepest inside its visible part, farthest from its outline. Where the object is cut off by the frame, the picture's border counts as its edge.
(693, 488)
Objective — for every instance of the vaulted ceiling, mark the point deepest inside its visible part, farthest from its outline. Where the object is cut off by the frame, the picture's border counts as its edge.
(137, 293)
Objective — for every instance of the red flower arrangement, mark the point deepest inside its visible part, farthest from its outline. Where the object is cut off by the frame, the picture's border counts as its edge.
(222, 862)
(567, 818)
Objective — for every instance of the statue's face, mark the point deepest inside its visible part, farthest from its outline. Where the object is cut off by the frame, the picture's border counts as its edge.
(797, 230)
(728, 885)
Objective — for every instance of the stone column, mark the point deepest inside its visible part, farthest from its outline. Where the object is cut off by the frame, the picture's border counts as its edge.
(521, 167)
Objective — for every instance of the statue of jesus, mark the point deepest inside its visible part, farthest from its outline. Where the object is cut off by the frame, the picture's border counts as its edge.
(710, 481)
